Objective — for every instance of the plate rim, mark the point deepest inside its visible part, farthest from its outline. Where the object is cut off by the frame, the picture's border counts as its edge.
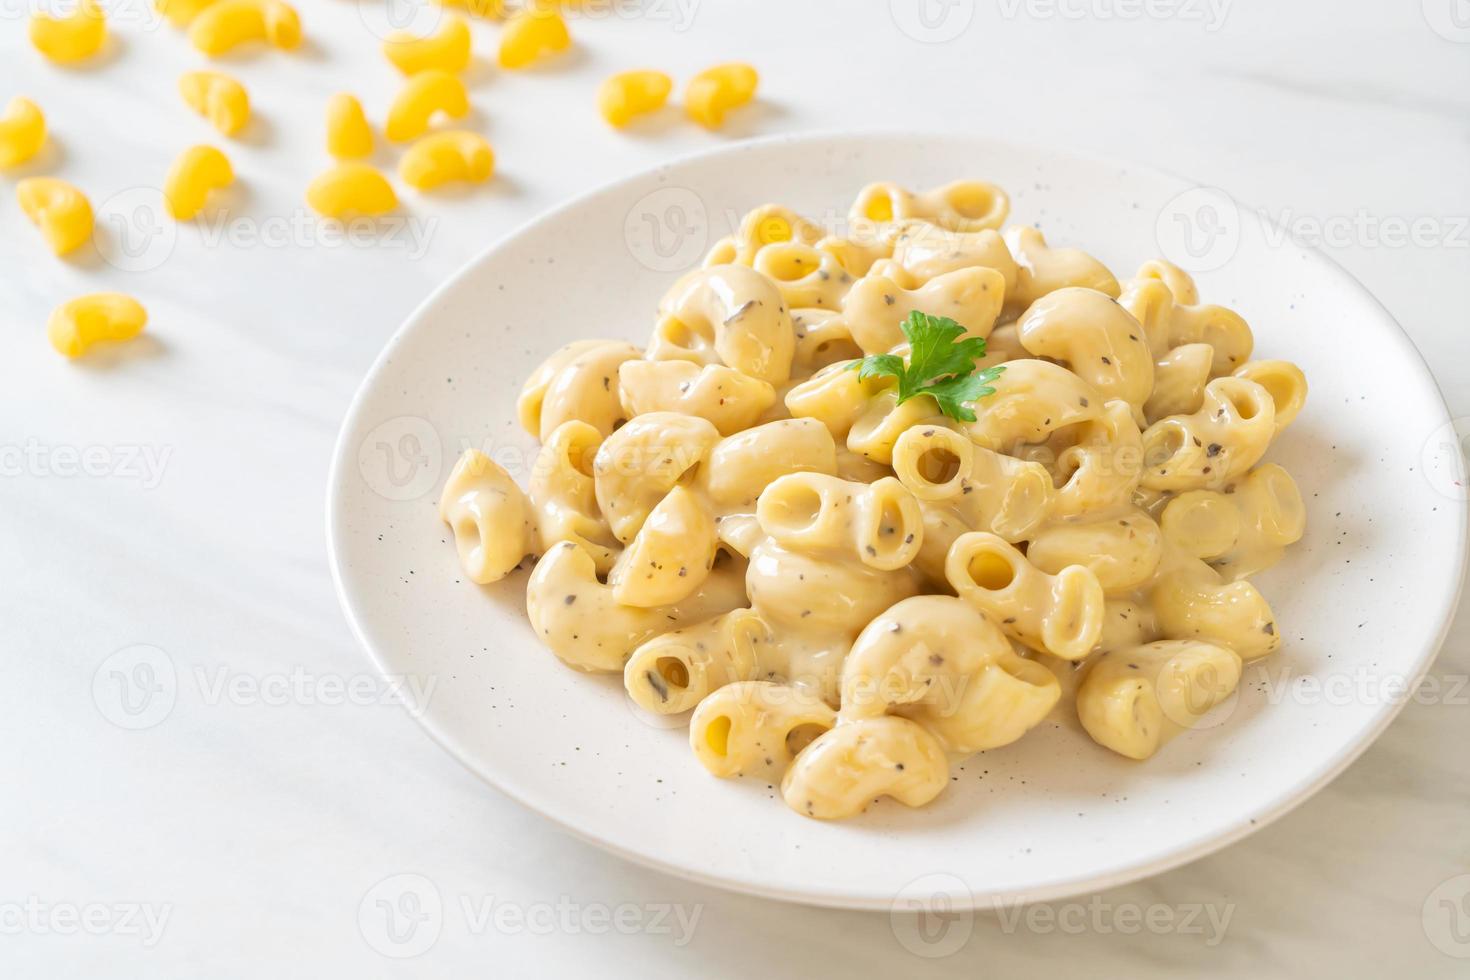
(342, 461)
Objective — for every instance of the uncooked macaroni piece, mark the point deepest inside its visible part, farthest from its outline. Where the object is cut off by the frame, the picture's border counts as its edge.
(632, 93)
(869, 502)
(22, 131)
(226, 24)
(533, 33)
(78, 324)
(197, 171)
(422, 96)
(351, 189)
(72, 37)
(349, 137)
(715, 91)
(59, 209)
(439, 158)
(448, 49)
(217, 97)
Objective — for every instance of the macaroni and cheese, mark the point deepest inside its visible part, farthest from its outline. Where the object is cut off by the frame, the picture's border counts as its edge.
(868, 502)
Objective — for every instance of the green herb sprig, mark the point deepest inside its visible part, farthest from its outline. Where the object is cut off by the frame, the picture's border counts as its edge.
(940, 365)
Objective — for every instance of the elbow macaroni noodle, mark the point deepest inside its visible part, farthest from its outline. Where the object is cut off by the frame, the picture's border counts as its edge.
(59, 209)
(849, 592)
(349, 137)
(439, 158)
(422, 96)
(197, 171)
(218, 98)
(632, 93)
(22, 131)
(71, 38)
(226, 24)
(448, 50)
(351, 188)
(531, 34)
(715, 91)
(78, 324)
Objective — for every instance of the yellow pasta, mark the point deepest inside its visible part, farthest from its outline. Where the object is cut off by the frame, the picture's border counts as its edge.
(226, 24)
(79, 323)
(351, 188)
(440, 158)
(71, 38)
(531, 34)
(196, 173)
(627, 94)
(59, 209)
(422, 97)
(217, 97)
(712, 93)
(349, 137)
(447, 50)
(22, 131)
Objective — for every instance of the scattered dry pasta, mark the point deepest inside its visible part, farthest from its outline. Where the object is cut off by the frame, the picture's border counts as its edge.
(78, 324)
(22, 131)
(533, 33)
(452, 155)
(632, 93)
(59, 209)
(351, 189)
(72, 37)
(715, 91)
(217, 97)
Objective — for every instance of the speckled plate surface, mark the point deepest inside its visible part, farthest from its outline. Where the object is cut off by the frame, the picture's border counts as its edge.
(1363, 600)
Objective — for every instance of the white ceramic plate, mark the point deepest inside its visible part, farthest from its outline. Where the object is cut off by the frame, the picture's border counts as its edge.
(1363, 600)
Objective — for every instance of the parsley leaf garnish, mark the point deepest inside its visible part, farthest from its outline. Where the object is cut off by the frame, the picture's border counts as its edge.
(940, 365)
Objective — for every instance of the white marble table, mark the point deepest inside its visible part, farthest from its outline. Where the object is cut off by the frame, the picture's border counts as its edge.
(171, 494)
